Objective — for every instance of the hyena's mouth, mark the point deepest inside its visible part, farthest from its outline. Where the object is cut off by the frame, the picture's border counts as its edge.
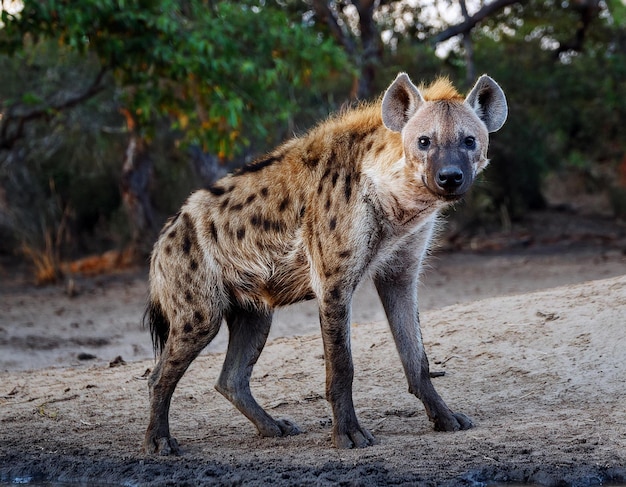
(452, 197)
(442, 194)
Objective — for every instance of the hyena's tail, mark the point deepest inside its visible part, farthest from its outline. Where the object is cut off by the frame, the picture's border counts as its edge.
(159, 325)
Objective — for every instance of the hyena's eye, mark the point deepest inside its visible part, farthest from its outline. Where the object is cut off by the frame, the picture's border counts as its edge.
(470, 142)
(423, 142)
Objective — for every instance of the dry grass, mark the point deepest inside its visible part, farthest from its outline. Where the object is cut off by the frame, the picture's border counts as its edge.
(46, 262)
(46, 256)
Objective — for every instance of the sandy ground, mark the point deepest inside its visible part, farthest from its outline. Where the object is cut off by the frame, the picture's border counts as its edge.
(532, 343)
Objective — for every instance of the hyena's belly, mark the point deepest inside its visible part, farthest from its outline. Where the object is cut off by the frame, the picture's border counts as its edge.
(277, 277)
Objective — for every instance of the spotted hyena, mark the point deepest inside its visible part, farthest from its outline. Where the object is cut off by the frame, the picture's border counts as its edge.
(357, 195)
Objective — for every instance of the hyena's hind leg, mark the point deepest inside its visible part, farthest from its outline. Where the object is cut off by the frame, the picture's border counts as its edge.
(248, 330)
(185, 337)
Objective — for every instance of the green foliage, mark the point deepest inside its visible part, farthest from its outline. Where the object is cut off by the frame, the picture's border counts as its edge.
(213, 69)
(221, 77)
(237, 77)
(566, 109)
(617, 8)
(64, 173)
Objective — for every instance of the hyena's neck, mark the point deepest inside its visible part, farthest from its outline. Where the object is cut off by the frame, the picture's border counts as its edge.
(357, 142)
(402, 196)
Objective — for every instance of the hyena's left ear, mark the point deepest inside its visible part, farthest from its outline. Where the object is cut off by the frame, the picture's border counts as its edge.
(400, 102)
(488, 101)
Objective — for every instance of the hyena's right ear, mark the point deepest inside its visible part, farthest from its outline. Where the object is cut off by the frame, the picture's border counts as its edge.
(400, 102)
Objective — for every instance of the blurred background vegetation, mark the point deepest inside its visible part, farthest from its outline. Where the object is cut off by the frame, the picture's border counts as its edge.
(113, 111)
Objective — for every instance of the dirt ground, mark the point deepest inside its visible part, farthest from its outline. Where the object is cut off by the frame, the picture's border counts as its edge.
(530, 332)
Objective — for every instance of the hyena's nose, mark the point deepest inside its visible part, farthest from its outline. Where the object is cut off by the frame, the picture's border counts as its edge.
(450, 177)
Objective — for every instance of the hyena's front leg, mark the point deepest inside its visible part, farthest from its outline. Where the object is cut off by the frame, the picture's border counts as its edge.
(335, 322)
(398, 294)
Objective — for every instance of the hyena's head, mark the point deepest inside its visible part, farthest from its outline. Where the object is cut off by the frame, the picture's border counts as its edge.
(445, 137)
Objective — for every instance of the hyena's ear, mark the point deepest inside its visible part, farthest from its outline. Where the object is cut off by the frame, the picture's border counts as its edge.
(488, 101)
(400, 102)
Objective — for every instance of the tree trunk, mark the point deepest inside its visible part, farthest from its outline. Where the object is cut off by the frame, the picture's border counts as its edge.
(468, 46)
(135, 189)
(368, 55)
(371, 51)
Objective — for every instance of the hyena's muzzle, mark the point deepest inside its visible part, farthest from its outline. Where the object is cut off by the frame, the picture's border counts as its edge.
(450, 174)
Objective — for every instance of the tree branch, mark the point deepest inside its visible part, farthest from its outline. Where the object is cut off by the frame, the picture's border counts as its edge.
(7, 141)
(327, 16)
(468, 24)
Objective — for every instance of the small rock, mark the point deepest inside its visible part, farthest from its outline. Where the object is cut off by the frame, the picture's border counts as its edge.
(85, 356)
(117, 361)
(71, 289)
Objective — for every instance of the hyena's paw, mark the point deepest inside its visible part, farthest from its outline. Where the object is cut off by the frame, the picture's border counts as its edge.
(279, 427)
(288, 428)
(162, 446)
(355, 437)
(453, 422)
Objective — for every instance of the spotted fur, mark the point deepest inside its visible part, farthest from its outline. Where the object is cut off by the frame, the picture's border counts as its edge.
(358, 195)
